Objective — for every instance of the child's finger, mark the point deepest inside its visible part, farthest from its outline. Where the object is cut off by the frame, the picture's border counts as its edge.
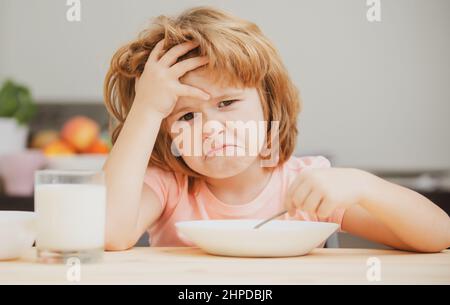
(157, 51)
(186, 90)
(312, 202)
(181, 68)
(289, 206)
(325, 209)
(288, 203)
(301, 193)
(172, 55)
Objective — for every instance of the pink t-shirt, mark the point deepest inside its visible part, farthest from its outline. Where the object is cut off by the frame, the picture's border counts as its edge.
(179, 205)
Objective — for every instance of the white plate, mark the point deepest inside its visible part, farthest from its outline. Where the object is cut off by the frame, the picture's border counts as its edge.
(238, 237)
(17, 233)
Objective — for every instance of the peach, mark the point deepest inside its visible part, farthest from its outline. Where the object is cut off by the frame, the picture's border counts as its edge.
(58, 147)
(80, 132)
(98, 147)
(44, 137)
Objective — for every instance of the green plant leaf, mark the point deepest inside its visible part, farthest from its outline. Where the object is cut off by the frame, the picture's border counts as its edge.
(16, 101)
(8, 101)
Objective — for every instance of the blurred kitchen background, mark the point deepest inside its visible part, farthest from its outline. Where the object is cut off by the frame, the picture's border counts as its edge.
(376, 94)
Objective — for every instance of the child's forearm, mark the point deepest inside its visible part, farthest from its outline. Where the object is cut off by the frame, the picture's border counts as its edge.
(413, 218)
(125, 169)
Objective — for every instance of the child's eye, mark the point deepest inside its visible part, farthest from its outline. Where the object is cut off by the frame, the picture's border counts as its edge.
(226, 103)
(187, 117)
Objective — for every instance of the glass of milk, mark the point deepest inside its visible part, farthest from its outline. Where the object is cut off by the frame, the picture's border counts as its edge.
(71, 209)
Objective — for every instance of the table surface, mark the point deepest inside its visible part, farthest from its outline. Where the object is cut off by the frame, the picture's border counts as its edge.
(186, 265)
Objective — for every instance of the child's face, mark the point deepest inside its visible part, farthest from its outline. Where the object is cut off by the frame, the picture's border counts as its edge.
(211, 119)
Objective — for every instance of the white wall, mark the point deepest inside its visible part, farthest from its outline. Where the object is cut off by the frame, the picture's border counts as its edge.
(376, 95)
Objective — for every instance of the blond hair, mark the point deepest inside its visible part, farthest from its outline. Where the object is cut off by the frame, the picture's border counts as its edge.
(239, 54)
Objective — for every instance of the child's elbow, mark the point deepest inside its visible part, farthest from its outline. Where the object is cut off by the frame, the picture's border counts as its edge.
(435, 247)
(431, 249)
(115, 244)
(437, 241)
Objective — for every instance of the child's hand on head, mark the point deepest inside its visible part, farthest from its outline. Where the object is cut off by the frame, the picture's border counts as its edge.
(159, 87)
(321, 191)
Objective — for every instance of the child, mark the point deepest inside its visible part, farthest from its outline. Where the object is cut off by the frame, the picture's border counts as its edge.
(208, 66)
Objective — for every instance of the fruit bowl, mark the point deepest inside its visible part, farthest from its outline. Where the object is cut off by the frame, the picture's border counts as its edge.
(76, 162)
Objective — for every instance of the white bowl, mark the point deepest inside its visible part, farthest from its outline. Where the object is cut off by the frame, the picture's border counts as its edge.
(276, 238)
(17, 233)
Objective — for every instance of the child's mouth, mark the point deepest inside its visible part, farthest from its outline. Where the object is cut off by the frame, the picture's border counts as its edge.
(212, 152)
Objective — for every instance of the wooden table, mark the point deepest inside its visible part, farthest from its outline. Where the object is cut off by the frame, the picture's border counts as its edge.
(180, 265)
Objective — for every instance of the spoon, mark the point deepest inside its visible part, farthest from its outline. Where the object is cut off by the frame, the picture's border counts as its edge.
(270, 218)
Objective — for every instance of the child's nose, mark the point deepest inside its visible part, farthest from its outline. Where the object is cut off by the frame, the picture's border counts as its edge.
(213, 123)
(212, 133)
